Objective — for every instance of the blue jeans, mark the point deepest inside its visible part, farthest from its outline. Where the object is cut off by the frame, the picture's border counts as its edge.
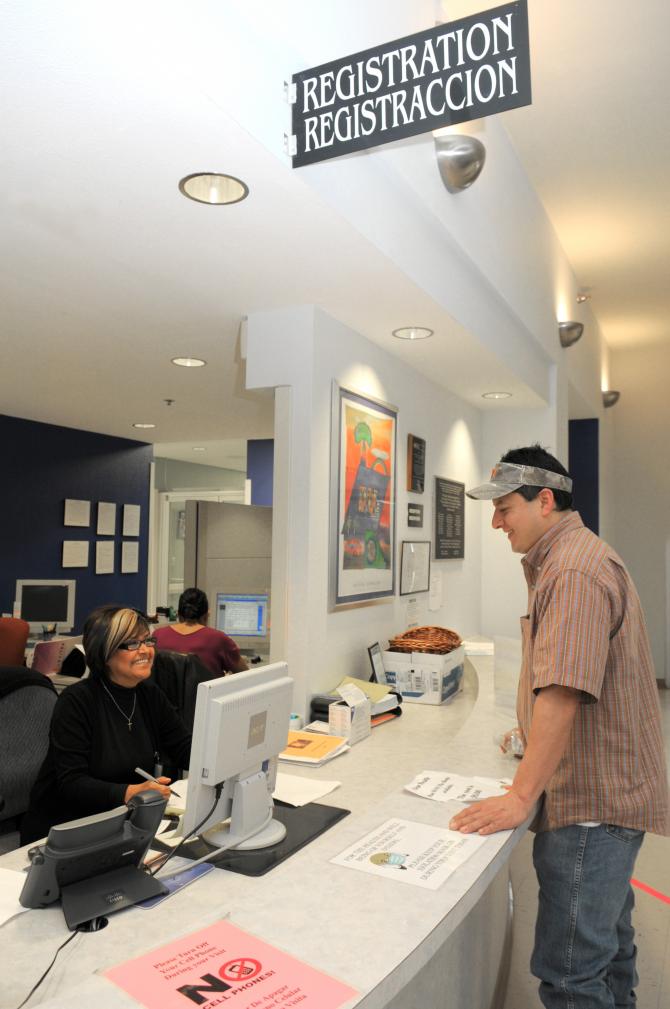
(584, 952)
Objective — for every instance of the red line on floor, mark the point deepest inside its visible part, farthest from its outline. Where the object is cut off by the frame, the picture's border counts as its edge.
(650, 890)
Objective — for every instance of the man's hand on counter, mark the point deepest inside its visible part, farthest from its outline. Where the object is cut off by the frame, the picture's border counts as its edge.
(490, 815)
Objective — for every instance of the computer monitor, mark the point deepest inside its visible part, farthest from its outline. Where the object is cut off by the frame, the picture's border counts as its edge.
(242, 615)
(46, 602)
(240, 726)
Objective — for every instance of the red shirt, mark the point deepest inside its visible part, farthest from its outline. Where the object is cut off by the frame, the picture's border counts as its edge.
(218, 652)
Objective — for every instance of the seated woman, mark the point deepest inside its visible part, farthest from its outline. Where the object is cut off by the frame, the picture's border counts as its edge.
(105, 726)
(191, 636)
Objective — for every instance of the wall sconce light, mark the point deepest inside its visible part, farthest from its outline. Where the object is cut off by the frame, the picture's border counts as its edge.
(460, 159)
(569, 332)
(610, 397)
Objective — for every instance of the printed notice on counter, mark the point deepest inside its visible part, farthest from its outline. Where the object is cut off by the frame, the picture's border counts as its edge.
(444, 787)
(223, 964)
(408, 852)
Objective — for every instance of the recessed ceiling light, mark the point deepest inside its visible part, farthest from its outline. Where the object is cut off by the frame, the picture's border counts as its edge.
(582, 297)
(199, 448)
(213, 188)
(413, 333)
(144, 425)
(496, 395)
(189, 362)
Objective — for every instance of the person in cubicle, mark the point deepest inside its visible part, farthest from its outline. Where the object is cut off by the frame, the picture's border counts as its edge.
(105, 726)
(191, 636)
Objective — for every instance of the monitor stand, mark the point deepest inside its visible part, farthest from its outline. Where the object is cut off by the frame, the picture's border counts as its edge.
(108, 892)
(303, 824)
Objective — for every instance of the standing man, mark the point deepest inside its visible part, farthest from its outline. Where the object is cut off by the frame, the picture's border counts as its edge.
(588, 709)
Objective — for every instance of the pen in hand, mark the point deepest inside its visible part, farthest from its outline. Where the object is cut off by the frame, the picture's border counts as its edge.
(150, 777)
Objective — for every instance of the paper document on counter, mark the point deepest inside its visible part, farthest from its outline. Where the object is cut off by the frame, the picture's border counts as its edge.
(226, 963)
(298, 791)
(11, 884)
(414, 853)
(311, 748)
(382, 696)
(479, 647)
(445, 787)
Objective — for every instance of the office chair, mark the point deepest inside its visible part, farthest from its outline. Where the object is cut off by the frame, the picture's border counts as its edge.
(26, 704)
(13, 637)
(178, 676)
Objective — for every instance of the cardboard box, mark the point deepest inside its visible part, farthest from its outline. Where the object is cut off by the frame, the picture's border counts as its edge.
(424, 678)
(350, 717)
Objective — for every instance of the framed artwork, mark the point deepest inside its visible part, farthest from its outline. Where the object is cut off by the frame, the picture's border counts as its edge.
(362, 499)
(414, 567)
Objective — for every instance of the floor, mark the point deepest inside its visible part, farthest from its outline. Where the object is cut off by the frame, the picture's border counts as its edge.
(651, 916)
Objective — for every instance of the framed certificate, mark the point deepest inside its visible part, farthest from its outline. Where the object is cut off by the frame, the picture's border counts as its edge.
(414, 567)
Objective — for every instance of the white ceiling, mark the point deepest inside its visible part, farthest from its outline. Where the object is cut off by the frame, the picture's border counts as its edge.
(108, 272)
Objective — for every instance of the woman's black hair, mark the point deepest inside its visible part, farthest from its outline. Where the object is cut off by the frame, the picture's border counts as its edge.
(193, 604)
(105, 629)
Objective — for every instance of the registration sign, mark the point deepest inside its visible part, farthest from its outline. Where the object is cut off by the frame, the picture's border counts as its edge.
(468, 69)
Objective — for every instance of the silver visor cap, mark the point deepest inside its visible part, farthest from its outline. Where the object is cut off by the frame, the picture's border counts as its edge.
(507, 477)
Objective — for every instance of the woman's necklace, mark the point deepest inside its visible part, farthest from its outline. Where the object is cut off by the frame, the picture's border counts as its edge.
(128, 718)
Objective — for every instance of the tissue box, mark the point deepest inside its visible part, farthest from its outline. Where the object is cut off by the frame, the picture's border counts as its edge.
(350, 720)
(424, 678)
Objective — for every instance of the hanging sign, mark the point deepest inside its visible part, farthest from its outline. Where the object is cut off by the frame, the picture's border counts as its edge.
(458, 71)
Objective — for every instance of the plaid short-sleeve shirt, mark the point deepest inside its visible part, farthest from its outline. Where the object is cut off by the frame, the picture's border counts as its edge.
(585, 629)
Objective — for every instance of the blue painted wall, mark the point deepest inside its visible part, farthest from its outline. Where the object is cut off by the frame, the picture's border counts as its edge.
(260, 469)
(41, 466)
(583, 466)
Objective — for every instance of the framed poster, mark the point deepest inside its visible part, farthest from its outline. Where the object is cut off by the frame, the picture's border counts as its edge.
(362, 499)
(449, 519)
(414, 567)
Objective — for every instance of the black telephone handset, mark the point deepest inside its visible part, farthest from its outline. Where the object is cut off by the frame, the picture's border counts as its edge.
(83, 849)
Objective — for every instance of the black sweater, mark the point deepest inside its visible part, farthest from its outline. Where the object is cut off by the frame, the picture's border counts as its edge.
(93, 754)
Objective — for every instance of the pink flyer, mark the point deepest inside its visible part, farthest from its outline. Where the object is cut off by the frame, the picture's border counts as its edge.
(223, 965)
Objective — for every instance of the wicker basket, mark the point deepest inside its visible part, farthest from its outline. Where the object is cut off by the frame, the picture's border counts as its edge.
(438, 640)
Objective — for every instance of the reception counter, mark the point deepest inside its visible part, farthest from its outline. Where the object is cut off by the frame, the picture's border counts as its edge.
(400, 946)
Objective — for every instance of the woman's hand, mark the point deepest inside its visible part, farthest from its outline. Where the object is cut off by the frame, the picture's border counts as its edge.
(161, 785)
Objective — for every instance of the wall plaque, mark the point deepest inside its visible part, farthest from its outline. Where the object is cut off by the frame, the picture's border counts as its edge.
(415, 516)
(449, 519)
(416, 463)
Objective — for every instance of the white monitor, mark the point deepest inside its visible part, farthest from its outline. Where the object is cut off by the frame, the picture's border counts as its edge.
(46, 603)
(240, 726)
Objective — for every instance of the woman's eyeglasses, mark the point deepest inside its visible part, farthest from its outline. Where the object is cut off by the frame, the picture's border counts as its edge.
(135, 643)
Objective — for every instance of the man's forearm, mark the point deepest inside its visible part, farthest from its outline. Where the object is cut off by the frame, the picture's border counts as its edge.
(554, 712)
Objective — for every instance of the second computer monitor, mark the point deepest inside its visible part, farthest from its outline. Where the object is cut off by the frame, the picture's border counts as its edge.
(244, 617)
(46, 603)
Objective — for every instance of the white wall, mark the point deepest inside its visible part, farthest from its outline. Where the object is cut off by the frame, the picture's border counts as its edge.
(306, 349)
(641, 481)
